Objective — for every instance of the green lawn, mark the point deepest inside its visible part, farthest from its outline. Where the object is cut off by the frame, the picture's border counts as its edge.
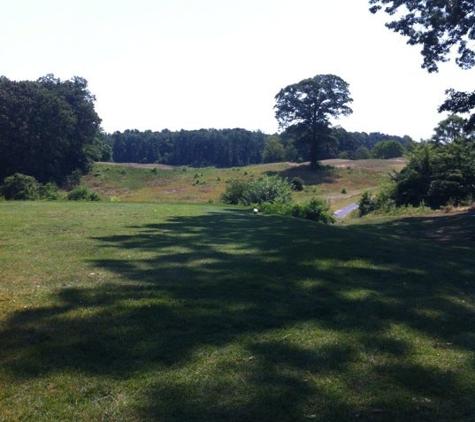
(172, 313)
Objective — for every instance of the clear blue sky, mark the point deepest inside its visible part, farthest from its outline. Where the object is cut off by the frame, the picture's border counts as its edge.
(190, 64)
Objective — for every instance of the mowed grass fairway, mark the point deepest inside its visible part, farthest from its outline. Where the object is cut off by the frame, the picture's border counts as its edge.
(172, 313)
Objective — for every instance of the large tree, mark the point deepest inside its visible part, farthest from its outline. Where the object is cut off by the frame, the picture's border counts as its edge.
(443, 28)
(46, 127)
(306, 108)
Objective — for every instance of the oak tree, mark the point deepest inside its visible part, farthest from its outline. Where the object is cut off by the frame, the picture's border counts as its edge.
(307, 107)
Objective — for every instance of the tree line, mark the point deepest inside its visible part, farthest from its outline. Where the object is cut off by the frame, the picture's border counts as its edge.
(49, 130)
(241, 147)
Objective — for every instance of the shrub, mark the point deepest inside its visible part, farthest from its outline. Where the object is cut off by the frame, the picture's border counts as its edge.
(234, 192)
(49, 192)
(266, 189)
(366, 203)
(315, 210)
(83, 193)
(73, 180)
(20, 187)
(297, 184)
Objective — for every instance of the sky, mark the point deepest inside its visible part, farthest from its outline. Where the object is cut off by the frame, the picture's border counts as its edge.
(192, 64)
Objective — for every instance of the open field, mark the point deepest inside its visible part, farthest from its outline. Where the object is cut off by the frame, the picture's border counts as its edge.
(154, 183)
(198, 312)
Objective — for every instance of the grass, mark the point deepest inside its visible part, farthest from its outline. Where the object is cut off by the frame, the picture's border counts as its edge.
(148, 183)
(198, 312)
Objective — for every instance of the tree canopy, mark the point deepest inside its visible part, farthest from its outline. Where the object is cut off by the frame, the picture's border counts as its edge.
(46, 127)
(439, 171)
(438, 26)
(307, 107)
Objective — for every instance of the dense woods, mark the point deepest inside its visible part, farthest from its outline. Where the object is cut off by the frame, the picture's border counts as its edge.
(237, 147)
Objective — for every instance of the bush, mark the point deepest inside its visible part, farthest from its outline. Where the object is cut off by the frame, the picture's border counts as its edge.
(297, 184)
(315, 210)
(49, 192)
(366, 203)
(83, 193)
(20, 187)
(234, 192)
(73, 180)
(266, 189)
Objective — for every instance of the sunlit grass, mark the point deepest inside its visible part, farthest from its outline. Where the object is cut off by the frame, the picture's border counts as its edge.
(340, 182)
(168, 312)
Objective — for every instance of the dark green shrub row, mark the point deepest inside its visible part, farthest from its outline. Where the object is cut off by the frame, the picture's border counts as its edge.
(266, 189)
(315, 210)
(21, 187)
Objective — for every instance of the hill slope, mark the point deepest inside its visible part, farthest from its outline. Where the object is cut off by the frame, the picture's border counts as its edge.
(155, 183)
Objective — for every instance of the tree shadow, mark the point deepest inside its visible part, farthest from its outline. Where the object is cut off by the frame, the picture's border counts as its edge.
(230, 278)
(311, 176)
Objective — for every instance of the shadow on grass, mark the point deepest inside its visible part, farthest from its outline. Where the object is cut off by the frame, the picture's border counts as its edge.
(306, 321)
(311, 176)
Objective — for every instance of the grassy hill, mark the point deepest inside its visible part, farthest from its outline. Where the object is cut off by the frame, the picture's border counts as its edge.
(154, 183)
(201, 312)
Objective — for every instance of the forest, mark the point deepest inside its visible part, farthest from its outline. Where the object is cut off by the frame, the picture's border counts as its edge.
(240, 147)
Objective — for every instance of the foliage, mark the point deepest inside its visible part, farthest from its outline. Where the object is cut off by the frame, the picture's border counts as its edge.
(274, 151)
(297, 184)
(450, 130)
(232, 147)
(367, 203)
(267, 189)
(387, 149)
(234, 191)
(362, 153)
(315, 210)
(439, 172)
(440, 27)
(20, 187)
(305, 108)
(50, 192)
(46, 127)
(83, 193)
(460, 102)
(197, 148)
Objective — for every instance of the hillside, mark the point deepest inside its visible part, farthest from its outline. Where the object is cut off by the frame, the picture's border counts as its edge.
(338, 181)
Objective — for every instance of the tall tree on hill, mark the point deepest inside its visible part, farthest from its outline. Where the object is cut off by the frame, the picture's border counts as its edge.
(440, 27)
(305, 108)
